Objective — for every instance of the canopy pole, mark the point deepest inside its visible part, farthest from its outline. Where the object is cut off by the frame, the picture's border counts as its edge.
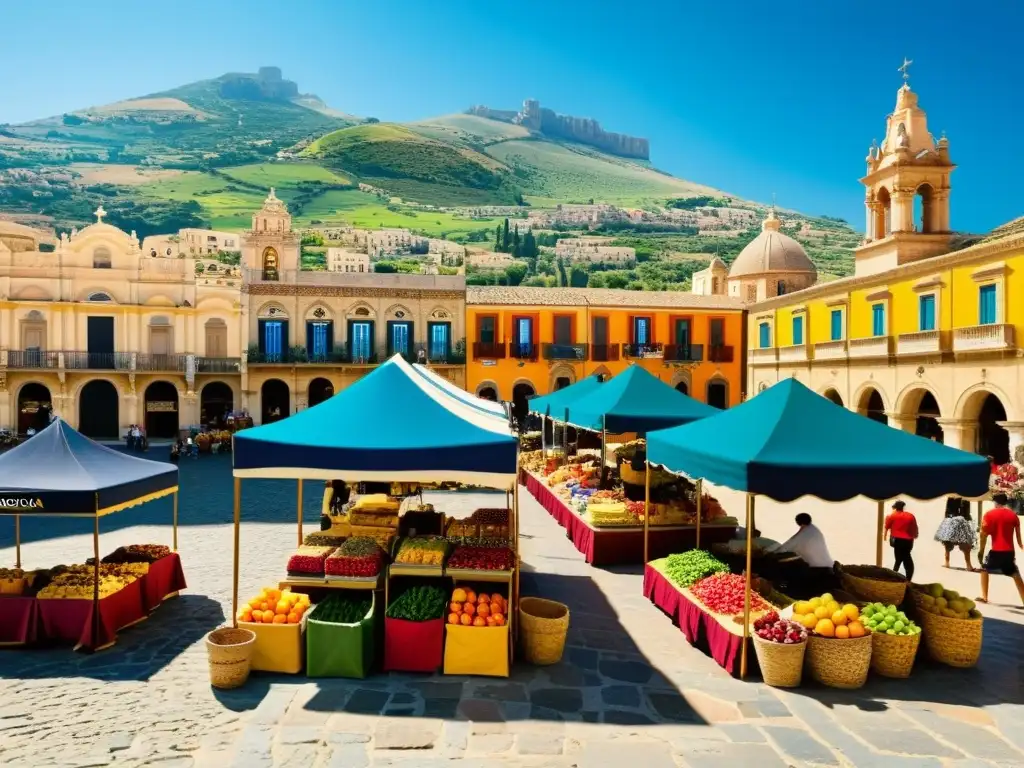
(17, 541)
(647, 504)
(700, 511)
(515, 574)
(96, 581)
(565, 438)
(746, 591)
(238, 526)
(604, 441)
(299, 505)
(878, 536)
(174, 523)
(543, 438)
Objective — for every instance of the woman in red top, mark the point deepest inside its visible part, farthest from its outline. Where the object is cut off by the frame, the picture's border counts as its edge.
(1002, 525)
(901, 529)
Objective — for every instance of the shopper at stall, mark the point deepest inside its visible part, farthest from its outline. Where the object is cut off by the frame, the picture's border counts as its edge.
(956, 530)
(1002, 525)
(901, 530)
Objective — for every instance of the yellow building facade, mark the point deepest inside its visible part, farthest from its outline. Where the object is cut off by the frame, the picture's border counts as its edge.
(525, 341)
(922, 337)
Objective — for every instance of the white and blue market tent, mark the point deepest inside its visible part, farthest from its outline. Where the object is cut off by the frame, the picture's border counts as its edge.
(459, 394)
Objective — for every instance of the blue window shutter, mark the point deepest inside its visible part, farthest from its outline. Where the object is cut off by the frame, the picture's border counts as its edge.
(878, 320)
(310, 337)
(987, 305)
(837, 324)
(798, 330)
(765, 333)
(927, 313)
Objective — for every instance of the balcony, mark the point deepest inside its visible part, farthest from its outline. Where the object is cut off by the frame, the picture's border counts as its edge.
(218, 364)
(577, 352)
(145, 362)
(873, 347)
(763, 356)
(488, 350)
(422, 353)
(522, 351)
(32, 358)
(830, 350)
(643, 351)
(340, 355)
(984, 338)
(720, 353)
(98, 361)
(684, 353)
(920, 343)
(794, 354)
(604, 353)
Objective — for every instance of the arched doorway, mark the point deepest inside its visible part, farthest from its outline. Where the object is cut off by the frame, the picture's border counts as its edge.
(682, 387)
(924, 209)
(275, 400)
(521, 393)
(831, 394)
(883, 214)
(873, 406)
(488, 393)
(993, 440)
(161, 410)
(98, 411)
(562, 382)
(215, 401)
(34, 407)
(319, 390)
(718, 394)
(927, 418)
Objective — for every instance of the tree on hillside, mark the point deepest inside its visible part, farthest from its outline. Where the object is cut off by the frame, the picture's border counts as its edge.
(515, 273)
(529, 249)
(578, 276)
(563, 279)
(497, 238)
(506, 241)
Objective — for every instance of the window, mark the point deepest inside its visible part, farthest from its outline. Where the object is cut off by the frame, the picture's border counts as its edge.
(563, 330)
(987, 304)
(486, 330)
(764, 333)
(926, 313)
(101, 258)
(780, 288)
(440, 340)
(399, 338)
(319, 339)
(641, 330)
(273, 339)
(878, 319)
(716, 332)
(837, 324)
(360, 340)
(798, 330)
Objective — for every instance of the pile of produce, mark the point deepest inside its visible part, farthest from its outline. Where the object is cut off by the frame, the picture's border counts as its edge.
(422, 550)
(530, 441)
(531, 461)
(383, 536)
(559, 476)
(78, 581)
(274, 606)
(418, 604)
(309, 561)
(358, 557)
(945, 602)
(482, 558)
(690, 567)
(376, 502)
(138, 553)
(489, 516)
(775, 630)
(724, 593)
(827, 618)
(626, 451)
(608, 513)
(472, 610)
(342, 608)
(323, 539)
(887, 619)
(374, 518)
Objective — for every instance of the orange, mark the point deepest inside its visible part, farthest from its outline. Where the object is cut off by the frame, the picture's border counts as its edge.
(483, 609)
(851, 611)
(825, 628)
(842, 632)
(294, 618)
(479, 622)
(484, 599)
(490, 621)
(810, 621)
(453, 618)
(470, 596)
(822, 612)
(264, 606)
(268, 617)
(456, 607)
(469, 609)
(839, 618)
(856, 629)
(466, 620)
(255, 603)
(282, 607)
(280, 618)
(273, 594)
(459, 596)
(499, 620)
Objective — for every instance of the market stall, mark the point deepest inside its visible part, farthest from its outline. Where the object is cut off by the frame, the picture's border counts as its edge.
(555, 405)
(59, 472)
(789, 442)
(399, 428)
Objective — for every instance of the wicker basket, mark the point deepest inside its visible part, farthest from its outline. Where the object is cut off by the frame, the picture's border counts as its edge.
(951, 641)
(544, 625)
(893, 655)
(230, 653)
(781, 665)
(14, 587)
(839, 663)
(858, 580)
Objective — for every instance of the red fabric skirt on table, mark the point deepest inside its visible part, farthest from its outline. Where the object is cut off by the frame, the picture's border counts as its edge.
(71, 621)
(18, 619)
(165, 577)
(413, 646)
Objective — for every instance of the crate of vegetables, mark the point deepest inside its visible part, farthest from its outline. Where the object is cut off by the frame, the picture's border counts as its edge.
(358, 558)
(308, 561)
(469, 558)
(414, 630)
(340, 635)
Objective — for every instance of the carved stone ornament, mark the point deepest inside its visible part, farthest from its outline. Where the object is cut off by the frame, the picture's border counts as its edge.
(319, 313)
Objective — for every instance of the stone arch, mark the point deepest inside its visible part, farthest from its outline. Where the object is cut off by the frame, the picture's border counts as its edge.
(883, 213)
(35, 316)
(863, 394)
(831, 393)
(522, 391)
(101, 258)
(161, 399)
(483, 386)
(215, 398)
(440, 313)
(924, 209)
(34, 403)
(361, 310)
(319, 390)
(918, 401)
(716, 392)
(560, 373)
(682, 381)
(399, 312)
(99, 296)
(33, 293)
(870, 402)
(318, 312)
(98, 409)
(984, 407)
(272, 309)
(603, 371)
(908, 401)
(972, 399)
(275, 400)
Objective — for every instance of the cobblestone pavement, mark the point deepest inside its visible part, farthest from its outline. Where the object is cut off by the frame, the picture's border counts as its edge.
(629, 691)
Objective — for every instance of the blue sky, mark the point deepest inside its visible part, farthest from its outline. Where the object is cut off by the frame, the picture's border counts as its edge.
(754, 98)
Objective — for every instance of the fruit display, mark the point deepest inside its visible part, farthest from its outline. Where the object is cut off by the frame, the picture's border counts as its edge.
(888, 619)
(374, 518)
(78, 581)
(687, 568)
(776, 630)
(489, 516)
(138, 553)
(532, 461)
(323, 539)
(309, 561)
(422, 550)
(359, 557)
(275, 606)
(827, 618)
(383, 536)
(604, 514)
(424, 603)
(933, 598)
(724, 593)
(342, 608)
(482, 558)
(477, 610)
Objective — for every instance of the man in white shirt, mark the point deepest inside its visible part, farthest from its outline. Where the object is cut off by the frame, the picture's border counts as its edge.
(809, 543)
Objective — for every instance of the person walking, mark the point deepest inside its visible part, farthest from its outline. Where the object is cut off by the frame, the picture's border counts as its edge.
(1002, 525)
(901, 530)
(956, 530)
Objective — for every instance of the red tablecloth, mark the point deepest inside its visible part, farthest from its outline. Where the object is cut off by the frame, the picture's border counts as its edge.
(621, 545)
(71, 621)
(700, 628)
(165, 577)
(18, 620)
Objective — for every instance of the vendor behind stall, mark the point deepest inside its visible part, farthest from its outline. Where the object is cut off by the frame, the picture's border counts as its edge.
(808, 543)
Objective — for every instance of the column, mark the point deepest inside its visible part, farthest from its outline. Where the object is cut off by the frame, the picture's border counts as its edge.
(902, 217)
(902, 422)
(959, 433)
(1016, 432)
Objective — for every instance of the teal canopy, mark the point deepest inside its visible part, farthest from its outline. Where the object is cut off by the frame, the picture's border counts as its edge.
(635, 401)
(789, 442)
(391, 425)
(554, 405)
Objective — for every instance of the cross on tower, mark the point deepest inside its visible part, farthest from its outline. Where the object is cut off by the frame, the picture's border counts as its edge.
(905, 69)
(100, 213)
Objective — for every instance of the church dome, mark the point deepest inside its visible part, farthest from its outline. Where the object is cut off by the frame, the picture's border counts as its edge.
(771, 251)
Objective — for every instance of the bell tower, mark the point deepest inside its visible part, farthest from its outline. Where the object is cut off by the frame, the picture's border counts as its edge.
(906, 190)
(270, 251)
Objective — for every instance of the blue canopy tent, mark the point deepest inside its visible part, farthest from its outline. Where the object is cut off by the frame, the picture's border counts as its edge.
(557, 403)
(478, 403)
(790, 442)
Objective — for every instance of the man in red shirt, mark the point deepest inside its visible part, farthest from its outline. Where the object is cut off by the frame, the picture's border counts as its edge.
(1001, 525)
(901, 530)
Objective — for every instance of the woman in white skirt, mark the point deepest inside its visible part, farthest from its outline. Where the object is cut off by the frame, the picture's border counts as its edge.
(956, 530)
